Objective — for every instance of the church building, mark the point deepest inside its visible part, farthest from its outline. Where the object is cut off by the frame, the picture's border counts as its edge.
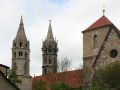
(101, 47)
(49, 68)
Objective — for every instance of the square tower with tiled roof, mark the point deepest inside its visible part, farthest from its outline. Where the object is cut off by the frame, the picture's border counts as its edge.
(100, 43)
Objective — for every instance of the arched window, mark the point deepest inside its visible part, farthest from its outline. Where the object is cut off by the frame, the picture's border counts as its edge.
(20, 44)
(50, 49)
(95, 41)
(50, 61)
(20, 54)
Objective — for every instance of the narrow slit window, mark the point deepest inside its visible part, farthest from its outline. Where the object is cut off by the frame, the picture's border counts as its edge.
(95, 41)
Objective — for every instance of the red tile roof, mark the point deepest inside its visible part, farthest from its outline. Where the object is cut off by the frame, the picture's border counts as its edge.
(101, 22)
(73, 78)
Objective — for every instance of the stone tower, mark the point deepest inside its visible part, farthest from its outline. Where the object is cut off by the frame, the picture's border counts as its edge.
(100, 47)
(21, 58)
(93, 38)
(49, 55)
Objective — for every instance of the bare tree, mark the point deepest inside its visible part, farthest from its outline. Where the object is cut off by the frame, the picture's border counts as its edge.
(64, 65)
(79, 67)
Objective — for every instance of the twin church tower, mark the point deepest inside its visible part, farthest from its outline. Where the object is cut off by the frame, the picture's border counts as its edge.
(21, 56)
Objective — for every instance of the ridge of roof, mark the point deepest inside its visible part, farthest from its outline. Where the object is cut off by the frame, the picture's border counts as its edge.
(101, 22)
(81, 70)
(4, 66)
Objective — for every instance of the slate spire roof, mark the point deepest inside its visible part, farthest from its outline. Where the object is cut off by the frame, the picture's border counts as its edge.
(21, 31)
(101, 22)
(50, 33)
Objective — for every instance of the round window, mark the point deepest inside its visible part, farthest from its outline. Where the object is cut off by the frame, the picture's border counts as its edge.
(113, 53)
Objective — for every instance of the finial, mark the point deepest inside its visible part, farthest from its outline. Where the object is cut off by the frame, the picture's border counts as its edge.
(49, 21)
(103, 10)
(21, 21)
(21, 17)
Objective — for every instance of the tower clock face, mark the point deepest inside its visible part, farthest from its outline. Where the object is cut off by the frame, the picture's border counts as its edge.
(113, 53)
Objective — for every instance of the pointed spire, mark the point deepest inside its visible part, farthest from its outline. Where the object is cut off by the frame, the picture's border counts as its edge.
(21, 21)
(21, 32)
(50, 33)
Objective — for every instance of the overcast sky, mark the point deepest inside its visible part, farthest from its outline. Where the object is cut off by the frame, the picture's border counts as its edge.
(69, 18)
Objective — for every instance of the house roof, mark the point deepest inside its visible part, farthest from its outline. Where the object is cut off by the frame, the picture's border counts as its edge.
(9, 80)
(101, 22)
(4, 66)
(73, 78)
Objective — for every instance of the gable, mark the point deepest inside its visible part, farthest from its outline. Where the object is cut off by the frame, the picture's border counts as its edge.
(110, 47)
(101, 22)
